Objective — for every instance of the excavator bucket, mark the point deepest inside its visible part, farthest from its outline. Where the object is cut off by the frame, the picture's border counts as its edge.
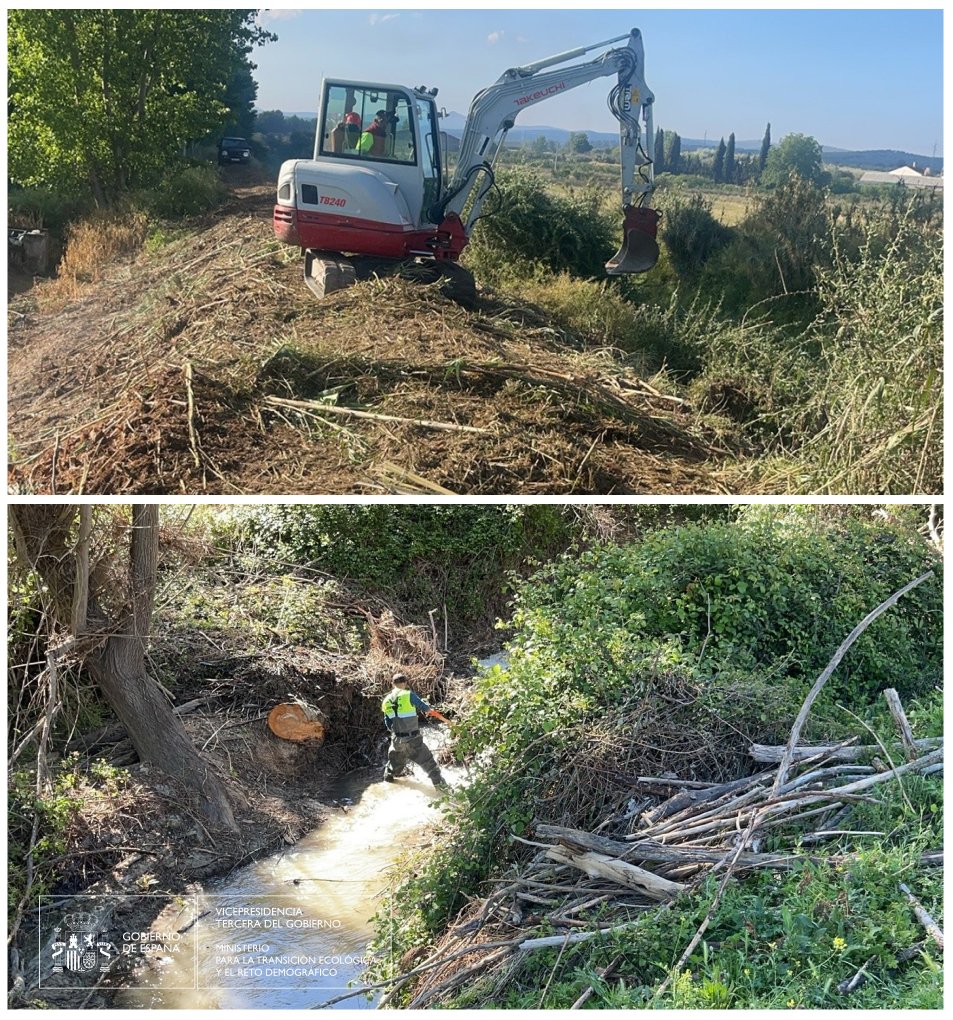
(639, 251)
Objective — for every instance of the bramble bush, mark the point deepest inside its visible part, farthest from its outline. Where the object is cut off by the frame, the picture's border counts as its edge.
(186, 191)
(691, 234)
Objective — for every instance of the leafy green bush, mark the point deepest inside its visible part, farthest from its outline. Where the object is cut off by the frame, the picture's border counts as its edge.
(755, 593)
(776, 252)
(424, 556)
(44, 207)
(534, 225)
(691, 234)
(186, 191)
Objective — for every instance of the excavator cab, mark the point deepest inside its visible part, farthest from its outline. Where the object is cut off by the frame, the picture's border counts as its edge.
(388, 128)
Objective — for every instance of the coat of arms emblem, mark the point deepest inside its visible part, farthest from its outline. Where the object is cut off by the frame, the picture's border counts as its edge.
(79, 947)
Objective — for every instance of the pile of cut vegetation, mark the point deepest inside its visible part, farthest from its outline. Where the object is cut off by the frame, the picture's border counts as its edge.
(690, 789)
(203, 364)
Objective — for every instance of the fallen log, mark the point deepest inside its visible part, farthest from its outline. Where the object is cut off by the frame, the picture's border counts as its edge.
(601, 866)
(773, 753)
(649, 850)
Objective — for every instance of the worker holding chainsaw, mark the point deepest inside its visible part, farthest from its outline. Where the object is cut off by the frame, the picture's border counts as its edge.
(402, 708)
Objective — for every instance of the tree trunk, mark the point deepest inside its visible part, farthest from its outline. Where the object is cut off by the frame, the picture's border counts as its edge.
(113, 650)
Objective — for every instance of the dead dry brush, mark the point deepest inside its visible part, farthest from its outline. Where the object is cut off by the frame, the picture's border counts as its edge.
(662, 845)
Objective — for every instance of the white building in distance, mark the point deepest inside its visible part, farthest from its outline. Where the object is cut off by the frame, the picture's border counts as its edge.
(905, 176)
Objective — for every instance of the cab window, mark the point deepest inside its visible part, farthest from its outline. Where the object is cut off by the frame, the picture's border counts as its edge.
(361, 122)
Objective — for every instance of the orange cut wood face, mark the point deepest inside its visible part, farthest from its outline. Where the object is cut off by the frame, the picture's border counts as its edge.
(292, 722)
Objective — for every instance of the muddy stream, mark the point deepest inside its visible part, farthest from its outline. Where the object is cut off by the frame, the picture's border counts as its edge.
(291, 931)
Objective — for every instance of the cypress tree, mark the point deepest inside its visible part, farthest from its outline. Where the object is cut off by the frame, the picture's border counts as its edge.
(659, 151)
(673, 158)
(718, 167)
(765, 145)
(730, 169)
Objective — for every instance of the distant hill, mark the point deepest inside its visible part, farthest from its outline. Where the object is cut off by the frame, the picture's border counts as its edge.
(881, 159)
(868, 159)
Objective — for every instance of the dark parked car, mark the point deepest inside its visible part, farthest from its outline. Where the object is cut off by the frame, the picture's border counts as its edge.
(233, 150)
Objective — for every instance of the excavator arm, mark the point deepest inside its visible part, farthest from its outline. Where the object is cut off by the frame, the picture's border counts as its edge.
(494, 111)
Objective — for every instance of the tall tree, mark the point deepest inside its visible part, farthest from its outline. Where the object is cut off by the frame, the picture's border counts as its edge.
(105, 98)
(798, 154)
(765, 148)
(578, 141)
(108, 630)
(659, 151)
(718, 167)
(730, 168)
(673, 154)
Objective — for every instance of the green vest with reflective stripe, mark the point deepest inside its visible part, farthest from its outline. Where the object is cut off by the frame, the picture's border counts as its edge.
(402, 714)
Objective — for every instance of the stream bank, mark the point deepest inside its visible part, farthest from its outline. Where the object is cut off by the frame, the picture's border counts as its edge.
(291, 930)
(142, 859)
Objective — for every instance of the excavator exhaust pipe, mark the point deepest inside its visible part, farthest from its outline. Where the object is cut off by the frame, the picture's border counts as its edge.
(639, 251)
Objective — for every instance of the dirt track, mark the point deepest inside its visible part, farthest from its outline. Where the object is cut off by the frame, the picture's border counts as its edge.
(165, 377)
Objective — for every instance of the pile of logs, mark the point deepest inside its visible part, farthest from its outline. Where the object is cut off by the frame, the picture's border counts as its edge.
(667, 838)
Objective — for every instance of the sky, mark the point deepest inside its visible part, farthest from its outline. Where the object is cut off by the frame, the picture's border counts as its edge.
(852, 79)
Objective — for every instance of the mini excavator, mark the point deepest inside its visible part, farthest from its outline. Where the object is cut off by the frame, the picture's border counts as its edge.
(377, 188)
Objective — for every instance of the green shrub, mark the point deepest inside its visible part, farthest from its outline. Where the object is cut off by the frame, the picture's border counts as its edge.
(43, 207)
(691, 234)
(763, 592)
(775, 253)
(534, 225)
(423, 556)
(187, 191)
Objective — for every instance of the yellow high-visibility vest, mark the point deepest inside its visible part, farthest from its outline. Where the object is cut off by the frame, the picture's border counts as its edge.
(398, 708)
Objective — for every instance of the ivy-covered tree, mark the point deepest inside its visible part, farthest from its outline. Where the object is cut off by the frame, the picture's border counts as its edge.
(103, 99)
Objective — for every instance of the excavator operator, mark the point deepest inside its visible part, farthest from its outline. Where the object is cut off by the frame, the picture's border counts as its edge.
(400, 709)
(371, 142)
